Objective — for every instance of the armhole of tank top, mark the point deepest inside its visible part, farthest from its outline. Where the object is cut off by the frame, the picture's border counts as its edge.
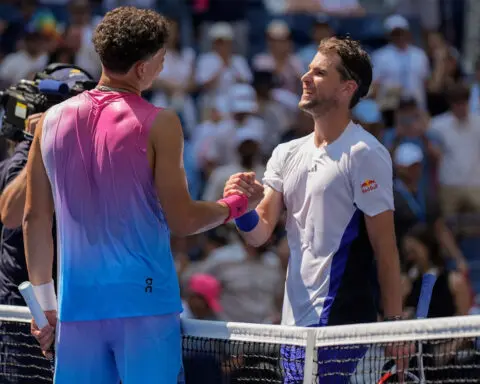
(147, 126)
(46, 118)
(147, 123)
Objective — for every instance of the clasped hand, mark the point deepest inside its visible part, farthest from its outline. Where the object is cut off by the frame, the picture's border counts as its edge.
(245, 183)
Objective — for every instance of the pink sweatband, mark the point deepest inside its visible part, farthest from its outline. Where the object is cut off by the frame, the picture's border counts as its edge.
(237, 204)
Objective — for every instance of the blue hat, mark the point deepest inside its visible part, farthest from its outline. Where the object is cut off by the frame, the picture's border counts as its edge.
(65, 73)
(367, 111)
(70, 76)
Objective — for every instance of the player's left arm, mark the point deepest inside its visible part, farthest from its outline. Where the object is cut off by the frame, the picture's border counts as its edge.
(373, 194)
(38, 217)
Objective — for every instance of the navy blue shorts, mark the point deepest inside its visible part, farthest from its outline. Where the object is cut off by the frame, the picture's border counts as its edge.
(335, 364)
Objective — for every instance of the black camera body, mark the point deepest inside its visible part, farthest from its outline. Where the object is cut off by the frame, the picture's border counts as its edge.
(57, 83)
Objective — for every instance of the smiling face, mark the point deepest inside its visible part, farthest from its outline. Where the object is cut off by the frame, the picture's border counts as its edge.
(324, 86)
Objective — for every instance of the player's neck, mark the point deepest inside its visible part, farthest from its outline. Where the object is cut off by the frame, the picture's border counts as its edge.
(329, 128)
(118, 84)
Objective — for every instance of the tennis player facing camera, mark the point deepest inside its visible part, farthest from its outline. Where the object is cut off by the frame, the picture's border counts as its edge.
(336, 187)
(110, 165)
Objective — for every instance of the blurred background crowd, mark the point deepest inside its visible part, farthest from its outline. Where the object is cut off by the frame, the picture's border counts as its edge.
(232, 72)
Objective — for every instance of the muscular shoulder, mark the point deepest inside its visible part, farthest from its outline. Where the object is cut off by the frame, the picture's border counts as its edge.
(361, 143)
(166, 132)
(166, 122)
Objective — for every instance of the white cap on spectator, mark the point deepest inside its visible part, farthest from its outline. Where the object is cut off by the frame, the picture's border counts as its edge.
(278, 29)
(248, 133)
(243, 99)
(221, 31)
(408, 154)
(396, 22)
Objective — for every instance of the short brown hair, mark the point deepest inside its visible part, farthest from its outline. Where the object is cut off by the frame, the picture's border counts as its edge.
(128, 34)
(356, 64)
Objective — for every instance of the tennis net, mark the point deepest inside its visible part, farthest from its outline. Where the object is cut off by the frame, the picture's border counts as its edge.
(437, 351)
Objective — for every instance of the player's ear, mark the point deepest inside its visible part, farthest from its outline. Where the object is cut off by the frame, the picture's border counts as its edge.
(349, 88)
(140, 69)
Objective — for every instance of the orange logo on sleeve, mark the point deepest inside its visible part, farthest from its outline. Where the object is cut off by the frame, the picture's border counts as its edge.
(369, 185)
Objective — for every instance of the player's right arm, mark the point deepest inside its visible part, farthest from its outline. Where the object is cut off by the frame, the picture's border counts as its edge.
(268, 213)
(184, 215)
(259, 225)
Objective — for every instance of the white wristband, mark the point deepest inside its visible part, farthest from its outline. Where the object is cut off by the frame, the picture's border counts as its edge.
(46, 297)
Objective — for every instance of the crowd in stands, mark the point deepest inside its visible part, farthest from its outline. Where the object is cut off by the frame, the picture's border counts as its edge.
(232, 72)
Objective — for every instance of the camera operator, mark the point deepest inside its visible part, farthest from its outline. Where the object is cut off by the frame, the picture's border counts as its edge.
(13, 181)
(19, 366)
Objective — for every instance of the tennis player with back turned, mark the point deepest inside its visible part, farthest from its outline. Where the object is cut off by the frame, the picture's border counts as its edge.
(110, 165)
(336, 187)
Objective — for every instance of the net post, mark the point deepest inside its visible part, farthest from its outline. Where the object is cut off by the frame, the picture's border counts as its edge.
(309, 367)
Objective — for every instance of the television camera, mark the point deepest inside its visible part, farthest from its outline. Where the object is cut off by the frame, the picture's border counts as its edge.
(56, 83)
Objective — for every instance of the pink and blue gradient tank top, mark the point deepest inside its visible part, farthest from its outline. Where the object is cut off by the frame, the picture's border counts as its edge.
(113, 240)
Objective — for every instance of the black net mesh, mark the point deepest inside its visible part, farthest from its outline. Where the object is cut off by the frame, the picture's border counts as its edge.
(21, 361)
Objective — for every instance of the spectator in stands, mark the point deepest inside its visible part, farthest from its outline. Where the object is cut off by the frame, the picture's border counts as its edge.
(218, 70)
(203, 297)
(14, 350)
(321, 30)
(411, 125)
(13, 269)
(368, 115)
(33, 57)
(176, 82)
(204, 136)
(446, 72)
(234, 12)
(280, 58)
(243, 108)
(400, 69)
(415, 205)
(248, 142)
(202, 303)
(81, 20)
(428, 12)
(276, 114)
(251, 280)
(451, 296)
(338, 8)
(459, 172)
(14, 29)
(68, 46)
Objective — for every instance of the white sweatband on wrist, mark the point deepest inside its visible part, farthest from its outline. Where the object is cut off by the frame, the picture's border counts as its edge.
(46, 297)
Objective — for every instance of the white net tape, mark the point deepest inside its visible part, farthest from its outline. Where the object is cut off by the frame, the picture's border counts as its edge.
(449, 349)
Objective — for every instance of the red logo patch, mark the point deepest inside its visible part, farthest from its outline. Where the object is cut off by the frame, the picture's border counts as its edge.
(369, 185)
